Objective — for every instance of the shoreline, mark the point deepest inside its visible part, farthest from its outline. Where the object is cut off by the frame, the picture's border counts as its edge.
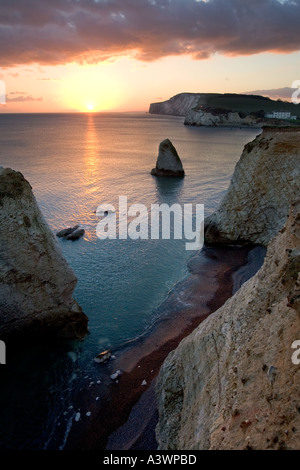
(215, 274)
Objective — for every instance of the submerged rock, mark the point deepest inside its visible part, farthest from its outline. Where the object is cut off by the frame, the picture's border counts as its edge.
(71, 233)
(76, 234)
(168, 162)
(66, 231)
(36, 283)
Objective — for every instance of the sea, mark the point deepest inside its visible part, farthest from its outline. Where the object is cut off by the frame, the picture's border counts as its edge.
(74, 163)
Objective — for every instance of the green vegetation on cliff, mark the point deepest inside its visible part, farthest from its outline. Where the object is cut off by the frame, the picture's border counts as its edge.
(247, 103)
(181, 103)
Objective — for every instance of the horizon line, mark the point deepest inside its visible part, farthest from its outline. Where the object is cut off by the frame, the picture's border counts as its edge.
(72, 112)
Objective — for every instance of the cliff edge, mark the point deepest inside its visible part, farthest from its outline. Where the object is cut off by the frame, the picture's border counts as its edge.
(232, 384)
(265, 180)
(178, 105)
(36, 283)
(244, 109)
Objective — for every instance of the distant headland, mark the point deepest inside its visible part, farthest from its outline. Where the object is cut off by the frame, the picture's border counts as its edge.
(229, 109)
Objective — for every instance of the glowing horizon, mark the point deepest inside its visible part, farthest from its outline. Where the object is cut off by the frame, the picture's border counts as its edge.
(88, 56)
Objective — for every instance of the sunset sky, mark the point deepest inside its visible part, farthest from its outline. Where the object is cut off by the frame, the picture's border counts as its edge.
(121, 55)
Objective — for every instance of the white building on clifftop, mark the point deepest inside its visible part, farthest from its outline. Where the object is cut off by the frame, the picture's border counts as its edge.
(280, 115)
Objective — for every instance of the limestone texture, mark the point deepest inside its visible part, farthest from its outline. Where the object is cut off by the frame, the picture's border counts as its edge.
(36, 283)
(195, 117)
(168, 161)
(178, 105)
(265, 180)
(233, 383)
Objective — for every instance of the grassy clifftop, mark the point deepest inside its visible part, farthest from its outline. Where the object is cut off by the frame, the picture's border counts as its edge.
(178, 104)
(247, 103)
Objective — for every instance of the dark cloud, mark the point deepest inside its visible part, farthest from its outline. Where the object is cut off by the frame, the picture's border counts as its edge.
(21, 97)
(284, 93)
(59, 31)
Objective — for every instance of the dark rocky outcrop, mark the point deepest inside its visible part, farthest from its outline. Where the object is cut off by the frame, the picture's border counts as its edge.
(67, 231)
(76, 234)
(168, 162)
(36, 283)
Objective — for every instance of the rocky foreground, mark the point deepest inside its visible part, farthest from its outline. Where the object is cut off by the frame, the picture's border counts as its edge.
(232, 384)
(36, 283)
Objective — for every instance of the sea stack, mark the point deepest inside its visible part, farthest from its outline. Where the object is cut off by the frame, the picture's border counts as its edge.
(168, 162)
(36, 283)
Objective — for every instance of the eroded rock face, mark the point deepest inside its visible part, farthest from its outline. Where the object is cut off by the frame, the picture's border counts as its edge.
(178, 105)
(265, 180)
(168, 162)
(229, 119)
(232, 384)
(36, 283)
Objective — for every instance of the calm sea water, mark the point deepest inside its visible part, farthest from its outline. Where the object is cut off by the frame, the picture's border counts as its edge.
(74, 162)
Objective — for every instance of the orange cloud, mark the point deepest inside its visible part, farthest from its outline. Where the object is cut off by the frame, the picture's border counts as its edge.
(59, 31)
(20, 96)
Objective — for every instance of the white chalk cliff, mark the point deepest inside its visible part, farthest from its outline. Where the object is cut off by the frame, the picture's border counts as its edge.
(233, 383)
(36, 283)
(178, 105)
(198, 117)
(265, 180)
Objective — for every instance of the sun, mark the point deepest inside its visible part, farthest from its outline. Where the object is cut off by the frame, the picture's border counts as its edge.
(90, 89)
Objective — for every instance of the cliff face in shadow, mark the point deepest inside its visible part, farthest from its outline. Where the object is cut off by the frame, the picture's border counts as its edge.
(36, 283)
(232, 383)
(265, 180)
